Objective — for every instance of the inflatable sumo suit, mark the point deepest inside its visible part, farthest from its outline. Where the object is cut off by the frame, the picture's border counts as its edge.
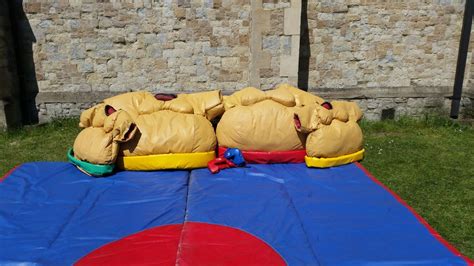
(262, 125)
(138, 131)
(334, 137)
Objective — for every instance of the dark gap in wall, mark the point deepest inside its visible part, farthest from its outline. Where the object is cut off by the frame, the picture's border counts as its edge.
(10, 115)
(23, 39)
(305, 51)
(388, 114)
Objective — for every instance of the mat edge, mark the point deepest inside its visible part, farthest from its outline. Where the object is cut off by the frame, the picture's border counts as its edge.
(430, 229)
(9, 173)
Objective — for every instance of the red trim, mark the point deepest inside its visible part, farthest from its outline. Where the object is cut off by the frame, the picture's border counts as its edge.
(432, 231)
(266, 157)
(8, 173)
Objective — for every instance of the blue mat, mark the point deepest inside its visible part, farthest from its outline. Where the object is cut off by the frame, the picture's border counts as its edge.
(53, 214)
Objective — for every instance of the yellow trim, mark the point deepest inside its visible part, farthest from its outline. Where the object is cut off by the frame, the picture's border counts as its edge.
(335, 161)
(166, 161)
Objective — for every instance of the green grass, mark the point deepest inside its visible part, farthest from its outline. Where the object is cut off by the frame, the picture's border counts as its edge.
(46, 142)
(428, 162)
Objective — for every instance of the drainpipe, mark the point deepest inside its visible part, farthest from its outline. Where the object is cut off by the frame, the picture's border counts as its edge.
(462, 56)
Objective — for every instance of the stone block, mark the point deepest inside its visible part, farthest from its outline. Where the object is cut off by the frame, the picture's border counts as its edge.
(229, 63)
(150, 38)
(292, 21)
(264, 60)
(114, 65)
(180, 13)
(289, 65)
(160, 64)
(78, 52)
(32, 8)
(154, 51)
(261, 20)
(271, 43)
(184, 3)
(295, 45)
(3, 117)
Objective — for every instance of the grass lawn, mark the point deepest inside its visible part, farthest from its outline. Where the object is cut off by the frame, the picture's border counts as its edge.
(46, 142)
(428, 162)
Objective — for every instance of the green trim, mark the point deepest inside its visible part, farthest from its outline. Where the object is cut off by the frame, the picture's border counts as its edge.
(90, 168)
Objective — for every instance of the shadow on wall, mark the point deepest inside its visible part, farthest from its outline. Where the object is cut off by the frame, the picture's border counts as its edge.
(23, 39)
(10, 113)
(305, 50)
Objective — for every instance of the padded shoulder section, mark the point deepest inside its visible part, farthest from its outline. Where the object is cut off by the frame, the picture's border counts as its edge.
(244, 97)
(325, 116)
(345, 111)
(131, 102)
(150, 105)
(93, 117)
(282, 96)
(311, 117)
(208, 104)
(302, 97)
(179, 104)
(121, 125)
(96, 146)
(305, 119)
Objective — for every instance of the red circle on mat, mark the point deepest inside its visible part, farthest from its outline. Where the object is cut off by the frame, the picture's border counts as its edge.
(191, 244)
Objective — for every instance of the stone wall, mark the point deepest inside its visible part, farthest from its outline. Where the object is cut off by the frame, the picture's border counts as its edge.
(376, 43)
(119, 46)
(398, 55)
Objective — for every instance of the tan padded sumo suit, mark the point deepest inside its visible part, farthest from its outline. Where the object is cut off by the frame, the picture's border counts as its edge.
(256, 120)
(334, 137)
(264, 121)
(143, 133)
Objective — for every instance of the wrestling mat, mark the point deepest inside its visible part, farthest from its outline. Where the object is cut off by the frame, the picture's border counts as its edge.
(277, 214)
